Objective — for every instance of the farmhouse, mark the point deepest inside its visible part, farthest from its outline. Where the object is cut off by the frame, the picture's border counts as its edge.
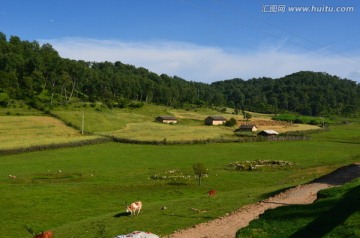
(166, 119)
(247, 127)
(215, 120)
(268, 133)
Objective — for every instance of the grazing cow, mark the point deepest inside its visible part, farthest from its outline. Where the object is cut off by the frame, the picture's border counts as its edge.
(46, 234)
(12, 176)
(212, 193)
(135, 206)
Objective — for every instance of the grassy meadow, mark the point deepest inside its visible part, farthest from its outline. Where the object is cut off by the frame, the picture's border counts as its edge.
(139, 123)
(82, 192)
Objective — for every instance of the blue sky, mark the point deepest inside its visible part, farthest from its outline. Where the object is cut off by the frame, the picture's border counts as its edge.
(198, 40)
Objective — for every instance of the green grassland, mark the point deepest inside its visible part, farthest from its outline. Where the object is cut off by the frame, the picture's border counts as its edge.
(81, 192)
(77, 192)
(18, 108)
(139, 123)
(128, 123)
(23, 127)
(302, 119)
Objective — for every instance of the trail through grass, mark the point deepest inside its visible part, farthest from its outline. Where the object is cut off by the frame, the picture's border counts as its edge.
(335, 214)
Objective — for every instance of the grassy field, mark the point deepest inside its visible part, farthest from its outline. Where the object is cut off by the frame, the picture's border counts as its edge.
(139, 124)
(27, 131)
(20, 124)
(82, 192)
(19, 108)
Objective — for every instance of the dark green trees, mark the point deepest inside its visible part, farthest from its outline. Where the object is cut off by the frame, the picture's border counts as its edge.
(306, 93)
(28, 70)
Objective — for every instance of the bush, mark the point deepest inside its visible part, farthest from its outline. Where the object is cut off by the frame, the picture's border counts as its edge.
(313, 122)
(298, 121)
(136, 104)
(231, 122)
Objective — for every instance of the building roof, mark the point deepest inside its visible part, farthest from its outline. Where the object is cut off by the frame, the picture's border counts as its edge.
(269, 132)
(247, 126)
(217, 118)
(167, 117)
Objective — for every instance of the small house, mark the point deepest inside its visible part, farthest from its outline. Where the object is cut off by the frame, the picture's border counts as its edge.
(268, 133)
(166, 119)
(215, 120)
(247, 127)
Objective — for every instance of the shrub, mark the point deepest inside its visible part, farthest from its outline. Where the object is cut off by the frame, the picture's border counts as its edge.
(231, 122)
(136, 104)
(313, 122)
(298, 121)
(259, 164)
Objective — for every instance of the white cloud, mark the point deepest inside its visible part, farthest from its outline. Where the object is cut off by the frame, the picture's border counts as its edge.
(204, 63)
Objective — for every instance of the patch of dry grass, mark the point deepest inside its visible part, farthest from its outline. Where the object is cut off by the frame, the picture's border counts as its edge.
(158, 131)
(266, 123)
(26, 131)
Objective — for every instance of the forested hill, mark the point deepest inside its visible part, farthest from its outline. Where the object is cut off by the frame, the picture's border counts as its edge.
(37, 74)
(308, 93)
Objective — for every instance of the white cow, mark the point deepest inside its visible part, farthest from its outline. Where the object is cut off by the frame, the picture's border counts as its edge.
(138, 234)
(135, 206)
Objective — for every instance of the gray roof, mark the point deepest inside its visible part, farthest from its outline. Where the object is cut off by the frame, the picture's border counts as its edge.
(269, 132)
(246, 126)
(167, 117)
(217, 118)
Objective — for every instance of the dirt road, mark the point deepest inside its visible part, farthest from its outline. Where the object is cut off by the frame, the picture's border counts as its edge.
(227, 226)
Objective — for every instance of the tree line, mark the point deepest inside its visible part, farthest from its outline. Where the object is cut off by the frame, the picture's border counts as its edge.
(37, 74)
(307, 93)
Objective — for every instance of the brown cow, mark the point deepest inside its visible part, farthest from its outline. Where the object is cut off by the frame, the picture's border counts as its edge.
(212, 193)
(46, 234)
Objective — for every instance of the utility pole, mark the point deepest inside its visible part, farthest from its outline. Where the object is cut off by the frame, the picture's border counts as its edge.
(82, 123)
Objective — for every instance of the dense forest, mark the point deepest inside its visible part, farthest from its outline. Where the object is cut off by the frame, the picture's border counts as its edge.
(37, 74)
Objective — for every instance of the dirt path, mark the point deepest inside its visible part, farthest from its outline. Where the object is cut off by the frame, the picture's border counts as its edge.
(227, 226)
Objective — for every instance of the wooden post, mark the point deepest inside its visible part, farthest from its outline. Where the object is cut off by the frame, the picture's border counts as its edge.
(82, 123)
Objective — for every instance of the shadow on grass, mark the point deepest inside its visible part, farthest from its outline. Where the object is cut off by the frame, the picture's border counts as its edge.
(190, 216)
(175, 183)
(340, 176)
(273, 193)
(335, 216)
(345, 142)
(122, 214)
